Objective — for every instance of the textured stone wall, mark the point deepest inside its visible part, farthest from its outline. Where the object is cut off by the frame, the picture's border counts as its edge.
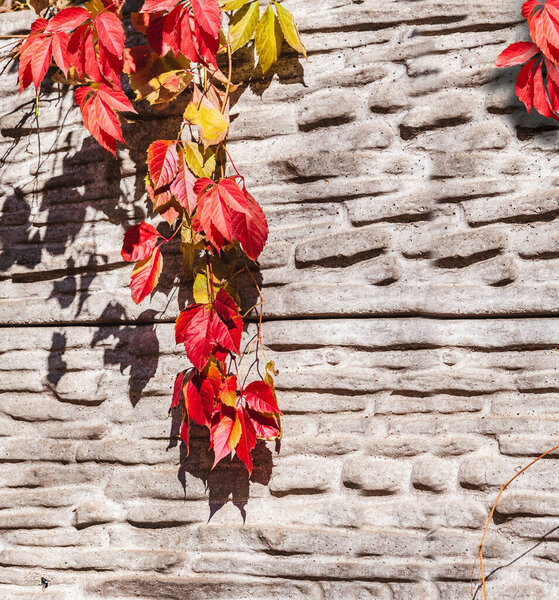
(411, 284)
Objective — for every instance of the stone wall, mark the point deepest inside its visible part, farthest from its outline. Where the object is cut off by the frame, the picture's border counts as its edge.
(411, 284)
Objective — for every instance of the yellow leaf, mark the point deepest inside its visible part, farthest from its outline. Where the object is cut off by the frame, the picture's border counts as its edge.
(243, 25)
(290, 30)
(213, 125)
(200, 289)
(202, 165)
(228, 5)
(268, 39)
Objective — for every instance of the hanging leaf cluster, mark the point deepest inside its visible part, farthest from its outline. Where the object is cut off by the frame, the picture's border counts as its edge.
(220, 227)
(537, 84)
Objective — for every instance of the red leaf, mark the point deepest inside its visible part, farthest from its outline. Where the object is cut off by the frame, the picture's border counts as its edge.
(203, 328)
(163, 162)
(170, 30)
(183, 186)
(208, 14)
(145, 276)
(544, 26)
(115, 98)
(25, 75)
(68, 19)
(517, 54)
(207, 45)
(41, 59)
(111, 33)
(265, 426)
(60, 51)
(39, 25)
(200, 399)
(216, 206)
(185, 40)
(177, 389)
(151, 6)
(154, 33)
(250, 229)
(140, 242)
(260, 397)
(193, 329)
(248, 439)
(225, 435)
(111, 44)
(541, 99)
(107, 119)
(90, 61)
(81, 94)
(227, 324)
(185, 432)
(75, 48)
(528, 8)
(525, 84)
(170, 214)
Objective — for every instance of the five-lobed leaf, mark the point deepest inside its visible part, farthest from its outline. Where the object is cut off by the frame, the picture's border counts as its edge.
(205, 328)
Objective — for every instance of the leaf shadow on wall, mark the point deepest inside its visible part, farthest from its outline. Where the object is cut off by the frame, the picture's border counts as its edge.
(43, 220)
(137, 348)
(229, 481)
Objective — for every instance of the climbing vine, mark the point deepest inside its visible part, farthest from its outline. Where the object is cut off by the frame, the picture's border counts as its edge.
(192, 180)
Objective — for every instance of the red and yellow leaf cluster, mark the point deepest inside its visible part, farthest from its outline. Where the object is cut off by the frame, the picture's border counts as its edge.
(537, 84)
(235, 417)
(218, 220)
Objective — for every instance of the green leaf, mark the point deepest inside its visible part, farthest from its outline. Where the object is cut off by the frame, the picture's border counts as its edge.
(268, 39)
(290, 30)
(243, 25)
(228, 5)
(200, 162)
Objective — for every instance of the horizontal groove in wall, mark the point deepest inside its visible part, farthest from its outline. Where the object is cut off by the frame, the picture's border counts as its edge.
(131, 323)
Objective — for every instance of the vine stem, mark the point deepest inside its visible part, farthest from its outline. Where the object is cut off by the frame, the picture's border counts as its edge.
(209, 279)
(232, 163)
(174, 234)
(228, 87)
(494, 507)
(260, 343)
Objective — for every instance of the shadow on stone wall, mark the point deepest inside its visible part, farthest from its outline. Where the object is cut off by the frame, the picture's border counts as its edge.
(46, 217)
(230, 480)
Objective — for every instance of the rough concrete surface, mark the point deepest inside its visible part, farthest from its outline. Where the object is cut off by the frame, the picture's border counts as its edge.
(411, 286)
